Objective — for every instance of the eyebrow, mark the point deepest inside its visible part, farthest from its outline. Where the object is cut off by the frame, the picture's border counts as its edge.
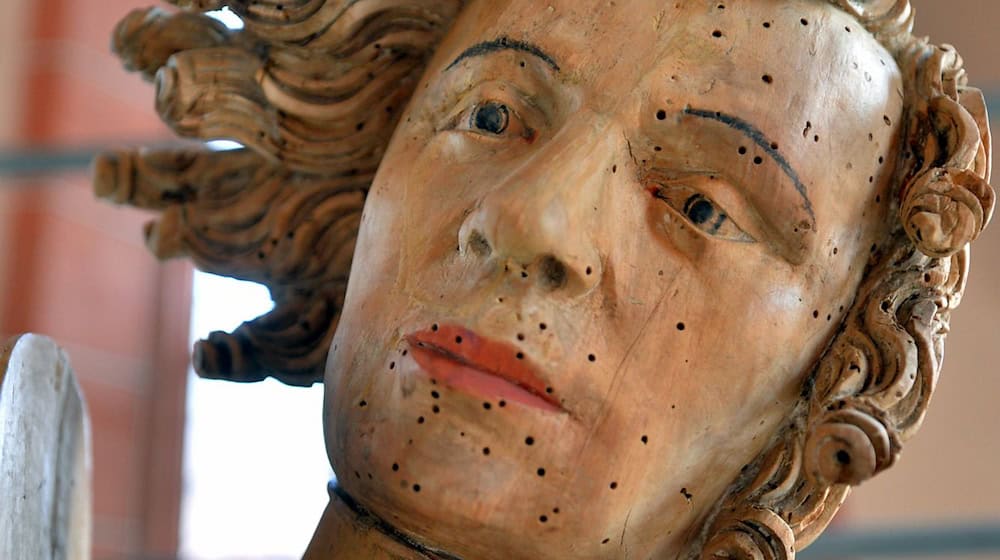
(758, 138)
(504, 44)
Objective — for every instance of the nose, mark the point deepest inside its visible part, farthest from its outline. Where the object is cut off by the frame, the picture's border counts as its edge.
(542, 219)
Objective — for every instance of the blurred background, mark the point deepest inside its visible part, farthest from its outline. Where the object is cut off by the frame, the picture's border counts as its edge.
(201, 470)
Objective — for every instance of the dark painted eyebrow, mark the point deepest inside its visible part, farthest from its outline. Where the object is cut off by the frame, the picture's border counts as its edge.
(504, 44)
(758, 138)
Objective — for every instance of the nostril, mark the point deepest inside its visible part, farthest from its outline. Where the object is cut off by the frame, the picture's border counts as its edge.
(478, 244)
(553, 272)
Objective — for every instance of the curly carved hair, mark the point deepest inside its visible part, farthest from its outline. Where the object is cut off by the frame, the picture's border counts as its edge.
(314, 88)
(870, 390)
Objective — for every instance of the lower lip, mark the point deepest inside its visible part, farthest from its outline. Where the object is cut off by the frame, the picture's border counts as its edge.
(474, 382)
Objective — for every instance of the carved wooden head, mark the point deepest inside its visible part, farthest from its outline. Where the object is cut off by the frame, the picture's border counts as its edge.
(657, 277)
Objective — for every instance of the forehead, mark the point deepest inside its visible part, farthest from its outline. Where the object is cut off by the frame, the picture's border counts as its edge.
(805, 52)
(598, 32)
(801, 75)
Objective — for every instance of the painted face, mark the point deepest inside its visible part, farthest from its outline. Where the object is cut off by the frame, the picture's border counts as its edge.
(605, 247)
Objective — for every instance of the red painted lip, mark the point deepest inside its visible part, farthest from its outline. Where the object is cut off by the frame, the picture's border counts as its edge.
(475, 364)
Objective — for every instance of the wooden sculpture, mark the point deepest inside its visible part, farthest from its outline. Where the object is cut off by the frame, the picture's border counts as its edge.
(635, 279)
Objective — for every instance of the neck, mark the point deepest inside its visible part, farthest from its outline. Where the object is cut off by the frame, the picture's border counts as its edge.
(349, 532)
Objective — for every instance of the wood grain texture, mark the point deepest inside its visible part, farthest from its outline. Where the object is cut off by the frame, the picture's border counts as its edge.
(313, 89)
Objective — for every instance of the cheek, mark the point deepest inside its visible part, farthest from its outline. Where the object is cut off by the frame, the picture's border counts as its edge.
(743, 334)
(411, 216)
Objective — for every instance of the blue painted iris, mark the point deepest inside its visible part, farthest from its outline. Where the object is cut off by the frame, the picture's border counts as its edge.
(490, 117)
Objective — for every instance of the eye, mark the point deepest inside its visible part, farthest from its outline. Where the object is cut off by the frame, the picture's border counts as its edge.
(490, 117)
(493, 119)
(701, 211)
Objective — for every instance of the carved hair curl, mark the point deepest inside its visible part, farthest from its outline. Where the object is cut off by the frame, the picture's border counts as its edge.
(314, 88)
(869, 391)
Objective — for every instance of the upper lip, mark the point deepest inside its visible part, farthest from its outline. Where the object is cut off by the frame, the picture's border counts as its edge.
(467, 348)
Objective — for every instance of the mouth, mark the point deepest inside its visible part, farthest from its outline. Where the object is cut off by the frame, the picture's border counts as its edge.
(480, 367)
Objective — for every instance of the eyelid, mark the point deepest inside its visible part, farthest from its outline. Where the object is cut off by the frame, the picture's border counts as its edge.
(519, 104)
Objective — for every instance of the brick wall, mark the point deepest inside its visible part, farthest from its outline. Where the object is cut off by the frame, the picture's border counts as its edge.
(76, 270)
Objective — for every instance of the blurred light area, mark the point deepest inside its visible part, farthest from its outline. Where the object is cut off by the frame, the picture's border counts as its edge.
(975, 540)
(227, 17)
(255, 468)
(223, 145)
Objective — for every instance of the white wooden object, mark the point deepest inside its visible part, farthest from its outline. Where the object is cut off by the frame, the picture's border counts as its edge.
(45, 457)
